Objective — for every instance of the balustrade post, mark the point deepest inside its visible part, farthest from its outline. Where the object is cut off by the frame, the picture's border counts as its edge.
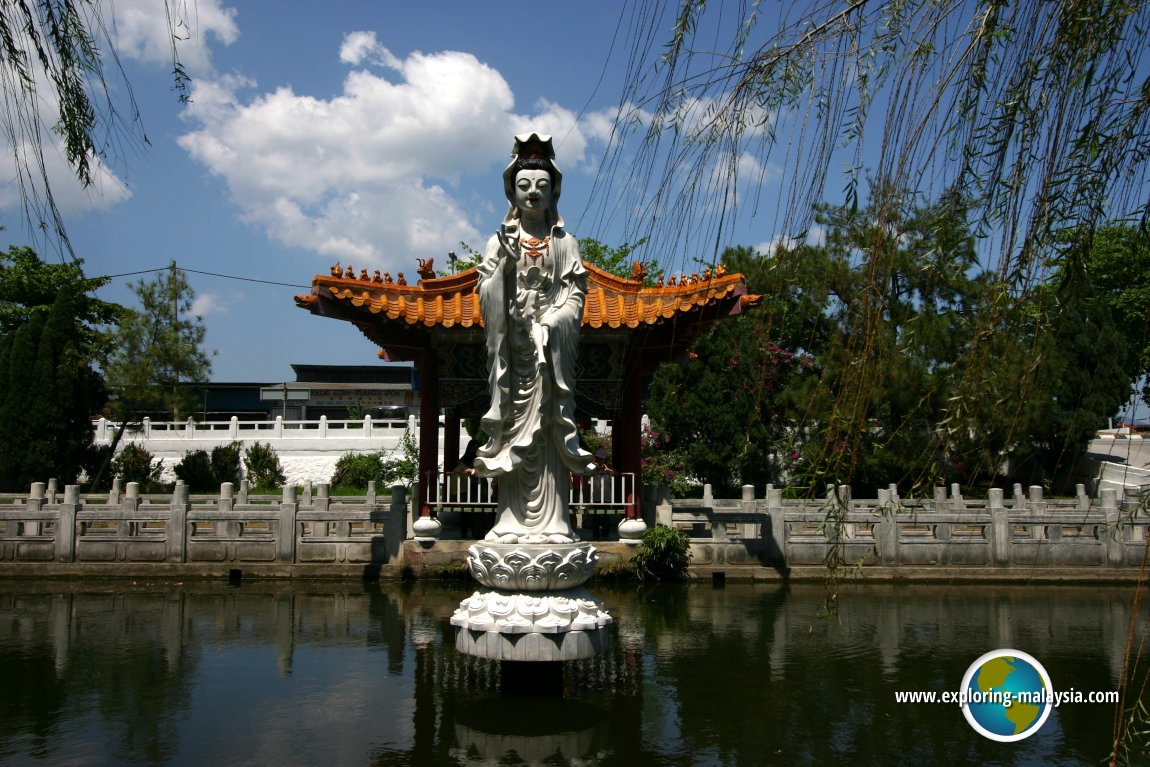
(234, 428)
(1115, 540)
(36, 501)
(323, 426)
(999, 528)
(322, 501)
(66, 525)
(147, 427)
(289, 508)
(939, 499)
(114, 493)
(51, 492)
(227, 499)
(1082, 498)
(887, 533)
(956, 501)
(395, 523)
(245, 488)
(370, 499)
(177, 523)
(36, 496)
(663, 508)
(777, 545)
(1037, 507)
(279, 428)
(367, 427)
(189, 427)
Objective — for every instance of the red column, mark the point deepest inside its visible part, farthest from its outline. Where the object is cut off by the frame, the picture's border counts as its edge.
(450, 440)
(428, 426)
(626, 438)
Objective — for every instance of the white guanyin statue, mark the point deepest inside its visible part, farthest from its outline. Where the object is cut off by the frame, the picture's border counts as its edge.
(531, 290)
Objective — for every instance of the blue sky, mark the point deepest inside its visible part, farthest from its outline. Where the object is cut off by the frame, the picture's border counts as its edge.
(368, 133)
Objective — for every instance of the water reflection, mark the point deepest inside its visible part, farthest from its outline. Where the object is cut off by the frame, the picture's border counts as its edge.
(351, 674)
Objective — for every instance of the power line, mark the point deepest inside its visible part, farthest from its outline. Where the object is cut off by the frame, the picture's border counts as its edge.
(209, 274)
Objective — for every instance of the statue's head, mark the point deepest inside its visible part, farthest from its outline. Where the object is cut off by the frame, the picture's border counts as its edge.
(533, 151)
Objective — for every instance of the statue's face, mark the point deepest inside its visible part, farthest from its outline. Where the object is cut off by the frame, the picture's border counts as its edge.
(533, 190)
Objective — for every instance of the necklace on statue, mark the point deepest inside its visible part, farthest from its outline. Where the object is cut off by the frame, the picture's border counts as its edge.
(534, 247)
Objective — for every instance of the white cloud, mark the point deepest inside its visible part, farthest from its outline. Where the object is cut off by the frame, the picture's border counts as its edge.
(140, 31)
(205, 304)
(363, 47)
(106, 191)
(369, 175)
(137, 31)
(815, 236)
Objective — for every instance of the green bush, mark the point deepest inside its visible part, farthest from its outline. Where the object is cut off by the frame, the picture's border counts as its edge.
(226, 464)
(357, 469)
(195, 469)
(204, 473)
(135, 464)
(664, 554)
(263, 468)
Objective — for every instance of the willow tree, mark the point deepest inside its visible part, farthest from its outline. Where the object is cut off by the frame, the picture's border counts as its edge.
(62, 88)
(1036, 112)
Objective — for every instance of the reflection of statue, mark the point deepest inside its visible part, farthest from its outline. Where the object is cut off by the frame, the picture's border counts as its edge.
(531, 288)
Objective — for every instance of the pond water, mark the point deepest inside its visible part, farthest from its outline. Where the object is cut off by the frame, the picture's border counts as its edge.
(333, 673)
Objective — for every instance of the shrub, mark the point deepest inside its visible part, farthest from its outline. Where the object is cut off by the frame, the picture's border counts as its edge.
(357, 469)
(226, 464)
(204, 474)
(664, 554)
(263, 467)
(135, 464)
(195, 469)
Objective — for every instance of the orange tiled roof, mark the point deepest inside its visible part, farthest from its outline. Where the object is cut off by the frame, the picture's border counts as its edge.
(611, 301)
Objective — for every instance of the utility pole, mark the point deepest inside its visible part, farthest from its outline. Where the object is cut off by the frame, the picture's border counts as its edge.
(175, 340)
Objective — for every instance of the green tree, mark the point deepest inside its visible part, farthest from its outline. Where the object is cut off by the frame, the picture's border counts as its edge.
(29, 286)
(1118, 264)
(619, 260)
(904, 292)
(722, 410)
(159, 348)
(52, 329)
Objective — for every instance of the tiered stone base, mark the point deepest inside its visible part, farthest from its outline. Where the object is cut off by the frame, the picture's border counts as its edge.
(534, 607)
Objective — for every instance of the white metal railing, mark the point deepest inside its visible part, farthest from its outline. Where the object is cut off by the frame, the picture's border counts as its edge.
(364, 428)
(597, 492)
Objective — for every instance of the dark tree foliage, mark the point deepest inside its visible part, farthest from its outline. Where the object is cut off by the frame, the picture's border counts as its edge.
(831, 379)
(1118, 264)
(723, 409)
(30, 286)
(204, 473)
(49, 395)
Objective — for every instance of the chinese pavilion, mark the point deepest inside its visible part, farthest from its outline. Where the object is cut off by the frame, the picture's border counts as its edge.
(628, 330)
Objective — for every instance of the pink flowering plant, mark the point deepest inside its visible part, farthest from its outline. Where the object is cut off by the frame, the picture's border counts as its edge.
(662, 465)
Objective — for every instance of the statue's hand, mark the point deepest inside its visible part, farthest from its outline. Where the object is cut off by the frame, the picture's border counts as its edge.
(508, 249)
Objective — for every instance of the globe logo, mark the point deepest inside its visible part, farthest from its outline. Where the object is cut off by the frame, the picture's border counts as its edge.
(1007, 695)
